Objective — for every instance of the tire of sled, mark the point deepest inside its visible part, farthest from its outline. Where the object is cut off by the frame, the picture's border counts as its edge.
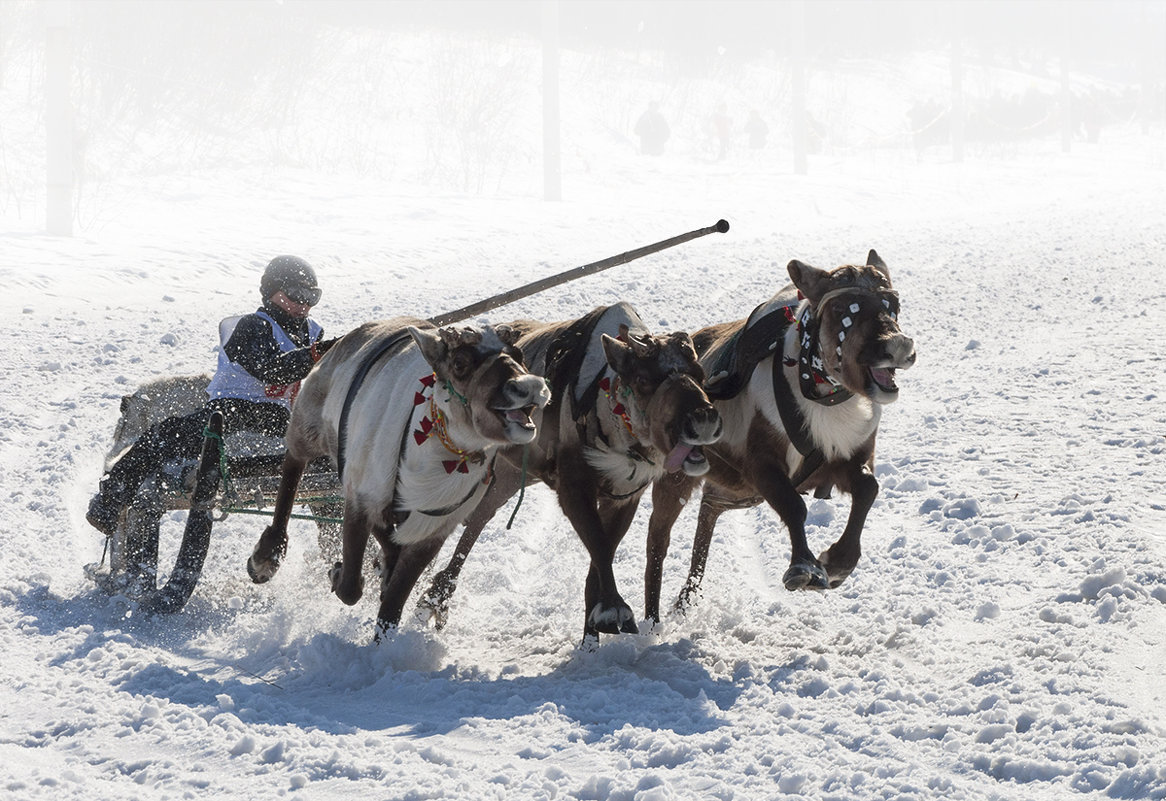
(137, 556)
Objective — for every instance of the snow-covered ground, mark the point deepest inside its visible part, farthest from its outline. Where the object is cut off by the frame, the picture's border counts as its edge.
(1004, 636)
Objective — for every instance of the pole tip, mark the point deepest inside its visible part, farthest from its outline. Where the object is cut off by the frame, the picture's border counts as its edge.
(722, 226)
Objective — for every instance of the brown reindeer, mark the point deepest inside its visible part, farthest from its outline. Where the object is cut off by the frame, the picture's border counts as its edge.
(628, 407)
(413, 417)
(800, 386)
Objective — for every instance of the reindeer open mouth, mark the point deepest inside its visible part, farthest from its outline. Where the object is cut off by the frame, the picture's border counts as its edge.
(884, 379)
(520, 416)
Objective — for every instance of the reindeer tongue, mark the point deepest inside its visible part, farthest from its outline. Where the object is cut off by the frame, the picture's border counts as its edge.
(520, 416)
(676, 457)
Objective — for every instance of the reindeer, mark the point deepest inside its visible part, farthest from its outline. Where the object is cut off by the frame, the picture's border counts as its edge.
(626, 410)
(426, 411)
(800, 386)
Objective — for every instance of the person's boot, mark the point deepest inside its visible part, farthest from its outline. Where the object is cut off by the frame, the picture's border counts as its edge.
(105, 507)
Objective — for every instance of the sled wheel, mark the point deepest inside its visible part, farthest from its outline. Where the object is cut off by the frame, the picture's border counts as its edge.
(135, 545)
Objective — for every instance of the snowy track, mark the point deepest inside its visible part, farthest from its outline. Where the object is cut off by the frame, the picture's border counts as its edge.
(1003, 637)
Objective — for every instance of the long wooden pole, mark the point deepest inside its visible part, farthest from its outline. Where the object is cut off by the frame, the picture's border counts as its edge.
(535, 287)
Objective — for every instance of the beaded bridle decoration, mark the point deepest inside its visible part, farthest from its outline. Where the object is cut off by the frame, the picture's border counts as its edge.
(434, 425)
(811, 368)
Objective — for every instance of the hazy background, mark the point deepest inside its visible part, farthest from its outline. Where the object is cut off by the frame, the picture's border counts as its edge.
(447, 96)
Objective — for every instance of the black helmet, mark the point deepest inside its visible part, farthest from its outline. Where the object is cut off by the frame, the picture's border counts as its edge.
(294, 276)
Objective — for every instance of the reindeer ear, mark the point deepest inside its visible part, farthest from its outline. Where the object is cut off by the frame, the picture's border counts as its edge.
(619, 355)
(431, 345)
(508, 335)
(873, 260)
(642, 345)
(683, 340)
(811, 281)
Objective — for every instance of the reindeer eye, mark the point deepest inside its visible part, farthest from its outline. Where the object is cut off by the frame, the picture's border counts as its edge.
(462, 363)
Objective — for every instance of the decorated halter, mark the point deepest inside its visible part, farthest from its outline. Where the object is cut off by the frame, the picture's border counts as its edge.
(612, 389)
(817, 384)
(434, 425)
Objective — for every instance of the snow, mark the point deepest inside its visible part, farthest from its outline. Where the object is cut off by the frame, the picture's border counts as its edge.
(1003, 637)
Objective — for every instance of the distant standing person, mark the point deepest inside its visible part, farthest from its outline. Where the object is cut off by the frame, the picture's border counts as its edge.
(653, 130)
(756, 130)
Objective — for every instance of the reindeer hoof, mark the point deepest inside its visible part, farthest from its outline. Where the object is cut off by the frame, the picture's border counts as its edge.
(384, 630)
(687, 599)
(434, 602)
(617, 619)
(261, 568)
(261, 571)
(805, 576)
(836, 573)
(347, 593)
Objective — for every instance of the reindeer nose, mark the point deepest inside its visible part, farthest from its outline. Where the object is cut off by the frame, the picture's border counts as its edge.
(531, 387)
(901, 349)
(704, 426)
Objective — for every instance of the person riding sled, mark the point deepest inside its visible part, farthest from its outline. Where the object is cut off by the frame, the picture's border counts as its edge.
(262, 358)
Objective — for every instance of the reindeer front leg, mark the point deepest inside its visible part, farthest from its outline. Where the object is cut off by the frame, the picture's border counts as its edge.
(435, 600)
(269, 551)
(347, 582)
(706, 523)
(669, 495)
(840, 558)
(804, 571)
(606, 610)
(399, 579)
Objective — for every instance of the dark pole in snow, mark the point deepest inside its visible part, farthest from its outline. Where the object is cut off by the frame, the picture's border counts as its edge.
(957, 90)
(58, 120)
(798, 121)
(1066, 91)
(552, 166)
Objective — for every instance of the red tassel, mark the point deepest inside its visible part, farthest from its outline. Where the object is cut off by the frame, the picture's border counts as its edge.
(420, 437)
(450, 465)
(462, 467)
(426, 425)
(605, 383)
(418, 399)
(617, 409)
(429, 380)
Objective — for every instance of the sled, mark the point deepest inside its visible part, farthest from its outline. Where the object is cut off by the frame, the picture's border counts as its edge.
(155, 557)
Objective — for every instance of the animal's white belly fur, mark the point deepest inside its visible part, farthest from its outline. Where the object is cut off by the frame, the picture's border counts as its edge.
(838, 431)
(423, 485)
(623, 473)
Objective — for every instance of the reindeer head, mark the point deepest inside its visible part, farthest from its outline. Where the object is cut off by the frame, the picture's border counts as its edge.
(854, 311)
(482, 368)
(667, 383)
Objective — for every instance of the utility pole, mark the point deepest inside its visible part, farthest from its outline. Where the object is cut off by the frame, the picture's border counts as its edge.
(799, 119)
(958, 114)
(1066, 90)
(552, 158)
(58, 119)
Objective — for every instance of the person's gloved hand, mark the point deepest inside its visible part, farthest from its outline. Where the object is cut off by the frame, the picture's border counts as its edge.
(322, 347)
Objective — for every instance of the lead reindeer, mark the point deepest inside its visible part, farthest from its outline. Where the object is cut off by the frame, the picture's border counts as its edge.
(413, 417)
(800, 386)
(628, 408)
